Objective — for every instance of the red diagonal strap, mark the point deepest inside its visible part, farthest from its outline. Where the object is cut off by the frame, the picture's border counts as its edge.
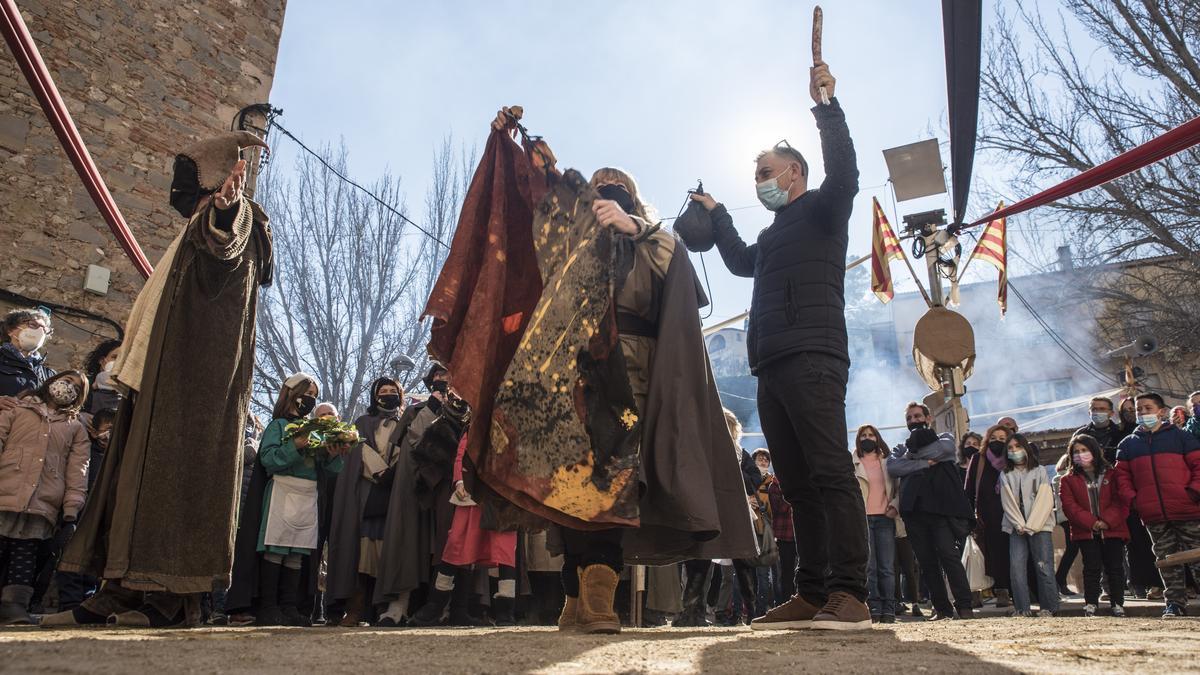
(1180, 138)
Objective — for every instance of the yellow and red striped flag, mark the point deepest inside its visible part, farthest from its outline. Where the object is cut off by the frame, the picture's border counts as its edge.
(885, 248)
(993, 249)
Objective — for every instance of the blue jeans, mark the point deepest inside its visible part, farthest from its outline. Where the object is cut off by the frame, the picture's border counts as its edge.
(1041, 546)
(881, 573)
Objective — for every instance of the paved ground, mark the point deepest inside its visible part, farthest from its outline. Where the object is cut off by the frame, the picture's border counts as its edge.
(1059, 645)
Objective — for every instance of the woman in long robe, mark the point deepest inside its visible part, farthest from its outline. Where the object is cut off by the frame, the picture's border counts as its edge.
(161, 515)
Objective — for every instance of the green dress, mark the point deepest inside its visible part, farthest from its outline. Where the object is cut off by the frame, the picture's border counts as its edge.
(282, 458)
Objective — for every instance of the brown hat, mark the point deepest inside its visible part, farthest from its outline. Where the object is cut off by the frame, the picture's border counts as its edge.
(215, 157)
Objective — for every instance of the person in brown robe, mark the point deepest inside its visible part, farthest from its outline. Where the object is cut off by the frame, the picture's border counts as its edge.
(160, 521)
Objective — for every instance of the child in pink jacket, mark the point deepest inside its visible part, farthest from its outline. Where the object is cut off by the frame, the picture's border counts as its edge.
(44, 456)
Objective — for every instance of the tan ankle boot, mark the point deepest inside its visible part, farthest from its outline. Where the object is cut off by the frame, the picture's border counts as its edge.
(569, 619)
(597, 590)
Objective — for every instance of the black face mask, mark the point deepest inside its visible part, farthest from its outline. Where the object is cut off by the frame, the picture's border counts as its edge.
(388, 401)
(913, 426)
(305, 404)
(969, 451)
(440, 387)
(618, 194)
(997, 448)
(867, 445)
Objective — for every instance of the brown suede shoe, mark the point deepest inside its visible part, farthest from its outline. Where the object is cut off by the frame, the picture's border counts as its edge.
(111, 599)
(569, 619)
(597, 590)
(795, 614)
(843, 612)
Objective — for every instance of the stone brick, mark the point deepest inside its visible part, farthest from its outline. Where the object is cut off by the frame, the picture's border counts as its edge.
(13, 131)
(141, 78)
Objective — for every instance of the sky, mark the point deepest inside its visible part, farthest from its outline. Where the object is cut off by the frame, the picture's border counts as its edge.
(671, 91)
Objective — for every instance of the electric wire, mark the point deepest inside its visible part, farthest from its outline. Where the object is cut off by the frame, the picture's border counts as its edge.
(271, 122)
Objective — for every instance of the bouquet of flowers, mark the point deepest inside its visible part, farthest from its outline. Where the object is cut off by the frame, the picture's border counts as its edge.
(321, 432)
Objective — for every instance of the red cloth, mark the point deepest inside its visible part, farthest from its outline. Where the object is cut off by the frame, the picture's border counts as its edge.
(490, 282)
(1077, 506)
(470, 544)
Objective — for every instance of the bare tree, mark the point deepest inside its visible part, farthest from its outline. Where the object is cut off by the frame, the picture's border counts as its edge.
(1051, 116)
(351, 276)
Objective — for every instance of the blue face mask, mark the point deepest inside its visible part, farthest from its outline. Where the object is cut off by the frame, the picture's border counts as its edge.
(1017, 456)
(1148, 421)
(1099, 418)
(771, 195)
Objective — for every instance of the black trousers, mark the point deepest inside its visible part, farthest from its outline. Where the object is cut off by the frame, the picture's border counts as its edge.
(906, 564)
(802, 407)
(1105, 556)
(1068, 557)
(787, 571)
(1143, 571)
(933, 541)
(584, 549)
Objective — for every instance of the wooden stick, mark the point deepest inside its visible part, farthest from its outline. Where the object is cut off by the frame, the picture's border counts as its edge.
(1181, 558)
(817, 26)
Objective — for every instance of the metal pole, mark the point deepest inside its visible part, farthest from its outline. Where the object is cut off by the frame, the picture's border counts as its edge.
(936, 296)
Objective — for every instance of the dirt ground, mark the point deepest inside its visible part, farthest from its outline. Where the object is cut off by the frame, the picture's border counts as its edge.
(1060, 645)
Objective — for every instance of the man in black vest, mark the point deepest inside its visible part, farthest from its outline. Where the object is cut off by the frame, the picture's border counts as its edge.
(797, 348)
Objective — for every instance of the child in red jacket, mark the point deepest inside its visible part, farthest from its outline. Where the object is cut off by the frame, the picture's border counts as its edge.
(1097, 515)
(1158, 471)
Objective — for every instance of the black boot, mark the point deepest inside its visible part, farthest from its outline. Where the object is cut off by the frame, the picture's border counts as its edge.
(460, 601)
(693, 614)
(431, 612)
(268, 594)
(505, 610)
(289, 598)
(748, 585)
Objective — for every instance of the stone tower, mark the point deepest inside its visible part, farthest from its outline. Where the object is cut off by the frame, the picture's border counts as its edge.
(142, 79)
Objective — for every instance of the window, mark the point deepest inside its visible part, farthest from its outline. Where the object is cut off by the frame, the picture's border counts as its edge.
(976, 401)
(717, 343)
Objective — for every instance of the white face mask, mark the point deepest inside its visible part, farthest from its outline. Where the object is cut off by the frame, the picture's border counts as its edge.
(108, 367)
(771, 195)
(30, 340)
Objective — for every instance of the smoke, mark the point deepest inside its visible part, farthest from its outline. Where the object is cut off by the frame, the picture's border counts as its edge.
(1018, 363)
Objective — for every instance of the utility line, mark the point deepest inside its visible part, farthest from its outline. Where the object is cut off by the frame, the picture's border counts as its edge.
(272, 123)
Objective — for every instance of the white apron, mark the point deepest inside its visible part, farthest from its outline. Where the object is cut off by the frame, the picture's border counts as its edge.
(292, 513)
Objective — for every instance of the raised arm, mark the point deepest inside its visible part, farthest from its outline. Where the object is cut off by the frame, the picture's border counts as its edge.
(841, 164)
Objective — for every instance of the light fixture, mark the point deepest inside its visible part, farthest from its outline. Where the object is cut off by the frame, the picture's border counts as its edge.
(916, 170)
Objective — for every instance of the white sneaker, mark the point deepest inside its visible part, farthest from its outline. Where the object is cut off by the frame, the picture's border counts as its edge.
(1089, 610)
(1118, 611)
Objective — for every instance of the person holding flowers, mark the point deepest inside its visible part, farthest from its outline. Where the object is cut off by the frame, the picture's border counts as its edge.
(282, 511)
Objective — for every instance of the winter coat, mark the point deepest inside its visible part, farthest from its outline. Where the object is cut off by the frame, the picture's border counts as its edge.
(930, 489)
(19, 373)
(1077, 505)
(864, 483)
(1028, 500)
(1108, 437)
(1159, 474)
(799, 262)
(44, 457)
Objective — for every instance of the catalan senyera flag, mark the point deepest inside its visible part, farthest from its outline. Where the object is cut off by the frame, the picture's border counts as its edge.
(885, 248)
(993, 249)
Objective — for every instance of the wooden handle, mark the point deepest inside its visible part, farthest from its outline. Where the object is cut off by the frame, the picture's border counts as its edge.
(817, 26)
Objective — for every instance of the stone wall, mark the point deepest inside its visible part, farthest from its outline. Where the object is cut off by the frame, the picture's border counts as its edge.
(141, 78)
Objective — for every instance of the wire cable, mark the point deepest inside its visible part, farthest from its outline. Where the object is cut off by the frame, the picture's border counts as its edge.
(372, 195)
